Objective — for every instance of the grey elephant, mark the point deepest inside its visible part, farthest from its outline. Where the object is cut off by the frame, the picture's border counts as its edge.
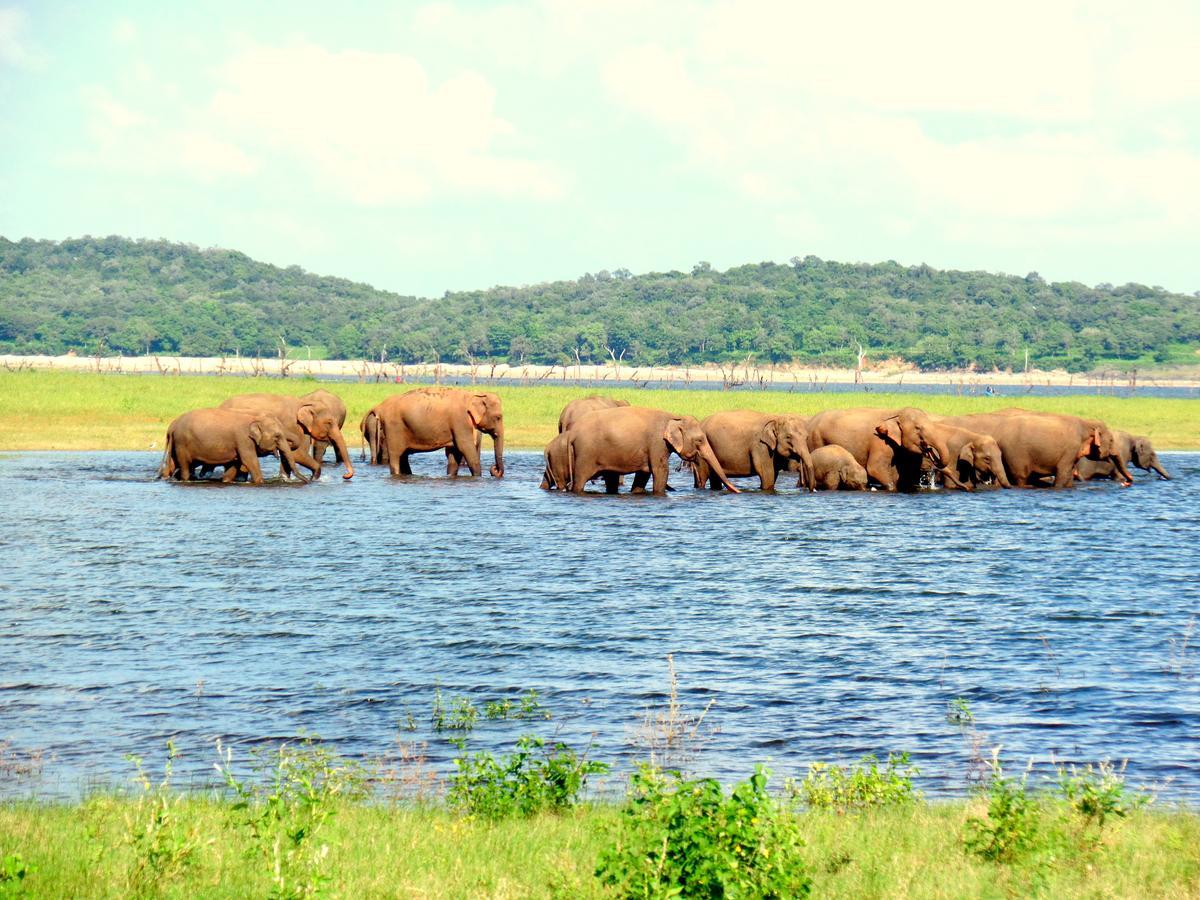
(750, 443)
(1132, 448)
(574, 410)
(224, 437)
(303, 422)
(638, 441)
(452, 419)
(836, 469)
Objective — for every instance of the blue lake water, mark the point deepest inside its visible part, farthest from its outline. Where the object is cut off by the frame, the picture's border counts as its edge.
(821, 627)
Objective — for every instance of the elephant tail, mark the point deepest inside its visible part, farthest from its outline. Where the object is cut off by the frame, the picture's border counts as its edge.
(168, 461)
(570, 485)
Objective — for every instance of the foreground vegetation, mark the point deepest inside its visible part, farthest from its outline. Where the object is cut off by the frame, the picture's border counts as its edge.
(305, 830)
(115, 295)
(47, 410)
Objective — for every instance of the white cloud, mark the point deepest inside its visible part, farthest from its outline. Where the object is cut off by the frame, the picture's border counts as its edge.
(951, 111)
(125, 32)
(14, 51)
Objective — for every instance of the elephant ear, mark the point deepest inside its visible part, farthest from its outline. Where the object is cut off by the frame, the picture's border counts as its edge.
(256, 431)
(305, 415)
(477, 408)
(967, 454)
(673, 435)
(770, 434)
(889, 429)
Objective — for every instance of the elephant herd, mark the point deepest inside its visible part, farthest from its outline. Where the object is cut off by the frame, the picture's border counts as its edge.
(600, 438)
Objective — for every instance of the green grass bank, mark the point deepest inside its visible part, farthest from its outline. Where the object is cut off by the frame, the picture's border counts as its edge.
(91, 849)
(45, 410)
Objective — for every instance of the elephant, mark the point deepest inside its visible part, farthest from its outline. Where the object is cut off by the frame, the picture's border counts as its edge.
(303, 421)
(577, 408)
(427, 419)
(1133, 448)
(225, 437)
(1039, 445)
(372, 439)
(753, 443)
(835, 468)
(889, 443)
(554, 477)
(977, 457)
(336, 406)
(638, 440)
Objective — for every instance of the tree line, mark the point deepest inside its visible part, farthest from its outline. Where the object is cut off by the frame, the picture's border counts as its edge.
(115, 295)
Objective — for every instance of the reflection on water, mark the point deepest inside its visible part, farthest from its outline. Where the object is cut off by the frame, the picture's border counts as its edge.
(824, 627)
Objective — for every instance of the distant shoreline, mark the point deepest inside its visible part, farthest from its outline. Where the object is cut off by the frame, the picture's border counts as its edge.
(784, 375)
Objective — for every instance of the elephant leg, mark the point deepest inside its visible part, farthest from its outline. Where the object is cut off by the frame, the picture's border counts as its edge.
(763, 463)
(453, 462)
(700, 473)
(584, 471)
(1064, 474)
(230, 475)
(880, 468)
(640, 480)
(185, 466)
(466, 447)
(611, 482)
(658, 471)
(302, 458)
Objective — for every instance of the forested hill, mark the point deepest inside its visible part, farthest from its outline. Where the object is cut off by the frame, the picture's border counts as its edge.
(114, 295)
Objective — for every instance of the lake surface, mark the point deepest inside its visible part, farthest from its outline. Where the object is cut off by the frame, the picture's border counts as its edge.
(821, 627)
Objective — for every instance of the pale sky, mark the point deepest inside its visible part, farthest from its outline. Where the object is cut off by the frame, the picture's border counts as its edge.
(431, 146)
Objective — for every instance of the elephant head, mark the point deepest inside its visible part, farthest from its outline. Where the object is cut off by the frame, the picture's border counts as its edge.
(787, 436)
(982, 454)
(685, 436)
(487, 416)
(267, 434)
(854, 477)
(319, 422)
(913, 430)
(1101, 443)
(1143, 456)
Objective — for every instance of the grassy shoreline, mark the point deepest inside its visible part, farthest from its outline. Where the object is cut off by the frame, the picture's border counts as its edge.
(50, 410)
(92, 849)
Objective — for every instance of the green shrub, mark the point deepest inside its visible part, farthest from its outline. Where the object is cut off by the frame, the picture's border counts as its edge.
(13, 872)
(162, 842)
(285, 810)
(460, 715)
(533, 779)
(688, 839)
(527, 706)
(1098, 793)
(1013, 824)
(866, 785)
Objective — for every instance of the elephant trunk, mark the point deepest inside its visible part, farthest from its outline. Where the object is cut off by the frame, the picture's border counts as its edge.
(339, 442)
(1126, 478)
(287, 462)
(706, 454)
(498, 448)
(808, 476)
(1002, 479)
(1155, 467)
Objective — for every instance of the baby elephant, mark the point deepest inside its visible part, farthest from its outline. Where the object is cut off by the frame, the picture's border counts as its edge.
(835, 468)
(224, 437)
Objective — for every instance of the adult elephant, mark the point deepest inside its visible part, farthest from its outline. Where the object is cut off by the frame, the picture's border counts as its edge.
(224, 437)
(1133, 448)
(635, 440)
(576, 409)
(337, 407)
(889, 443)
(752, 443)
(835, 468)
(1043, 445)
(427, 419)
(303, 422)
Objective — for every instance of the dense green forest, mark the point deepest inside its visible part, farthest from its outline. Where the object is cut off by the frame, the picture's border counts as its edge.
(115, 295)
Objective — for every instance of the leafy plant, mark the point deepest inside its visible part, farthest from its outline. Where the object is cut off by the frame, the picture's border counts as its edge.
(286, 810)
(13, 872)
(1098, 793)
(958, 712)
(862, 786)
(1012, 827)
(687, 838)
(459, 715)
(163, 844)
(527, 706)
(533, 779)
